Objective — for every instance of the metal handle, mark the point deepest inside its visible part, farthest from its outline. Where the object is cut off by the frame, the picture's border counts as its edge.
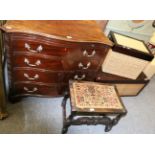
(31, 78)
(38, 50)
(82, 66)
(76, 77)
(37, 63)
(30, 91)
(85, 53)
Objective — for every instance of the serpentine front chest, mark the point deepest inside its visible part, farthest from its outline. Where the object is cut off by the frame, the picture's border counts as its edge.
(42, 56)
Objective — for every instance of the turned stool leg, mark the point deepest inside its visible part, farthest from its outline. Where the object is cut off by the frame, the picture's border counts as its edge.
(66, 123)
(116, 119)
(65, 128)
(108, 127)
(113, 122)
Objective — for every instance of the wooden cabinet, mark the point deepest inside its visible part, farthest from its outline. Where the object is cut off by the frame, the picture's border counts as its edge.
(42, 56)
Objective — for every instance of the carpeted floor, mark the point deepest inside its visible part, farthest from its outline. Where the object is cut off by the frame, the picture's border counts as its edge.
(41, 115)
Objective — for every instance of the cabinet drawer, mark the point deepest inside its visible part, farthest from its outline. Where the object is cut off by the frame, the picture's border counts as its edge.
(36, 76)
(84, 65)
(36, 89)
(87, 76)
(37, 62)
(88, 53)
(35, 47)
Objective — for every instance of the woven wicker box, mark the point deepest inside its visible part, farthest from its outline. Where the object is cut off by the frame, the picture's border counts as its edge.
(149, 71)
(127, 58)
(125, 86)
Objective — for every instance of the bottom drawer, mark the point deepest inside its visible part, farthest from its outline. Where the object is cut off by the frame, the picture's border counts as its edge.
(36, 89)
(77, 75)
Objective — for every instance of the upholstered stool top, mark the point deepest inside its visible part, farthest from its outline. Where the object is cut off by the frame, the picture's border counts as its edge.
(95, 97)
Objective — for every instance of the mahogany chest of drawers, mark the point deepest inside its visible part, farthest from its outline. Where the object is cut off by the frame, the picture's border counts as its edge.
(42, 56)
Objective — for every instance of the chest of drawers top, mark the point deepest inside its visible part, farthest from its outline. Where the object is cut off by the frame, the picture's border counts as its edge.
(67, 30)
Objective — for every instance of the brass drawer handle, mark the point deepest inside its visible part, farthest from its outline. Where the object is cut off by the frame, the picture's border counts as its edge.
(37, 63)
(85, 53)
(31, 78)
(76, 77)
(84, 67)
(38, 50)
(30, 91)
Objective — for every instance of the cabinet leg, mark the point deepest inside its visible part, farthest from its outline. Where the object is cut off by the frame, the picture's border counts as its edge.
(14, 100)
(108, 127)
(64, 129)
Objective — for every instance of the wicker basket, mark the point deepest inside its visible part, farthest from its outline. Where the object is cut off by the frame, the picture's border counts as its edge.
(127, 61)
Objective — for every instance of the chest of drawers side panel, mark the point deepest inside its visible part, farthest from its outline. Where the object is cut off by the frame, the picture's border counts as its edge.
(9, 61)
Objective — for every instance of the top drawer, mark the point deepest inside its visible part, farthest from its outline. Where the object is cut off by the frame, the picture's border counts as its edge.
(69, 52)
(32, 46)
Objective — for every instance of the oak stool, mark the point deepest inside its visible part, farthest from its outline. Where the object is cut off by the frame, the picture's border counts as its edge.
(92, 103)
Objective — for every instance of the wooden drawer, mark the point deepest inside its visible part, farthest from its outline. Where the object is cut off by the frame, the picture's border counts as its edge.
(36, 76)
(37, 62)
(77, 75)
(36, 89)
(35, 44)
(88, 53)
(84, 64)
(36, 47)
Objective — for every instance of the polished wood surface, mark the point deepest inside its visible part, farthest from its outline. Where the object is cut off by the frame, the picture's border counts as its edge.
(102, 24)
(70, 30)
(41, 60)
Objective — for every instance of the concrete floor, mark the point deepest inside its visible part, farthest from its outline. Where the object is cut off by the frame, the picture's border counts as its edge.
(42, 115)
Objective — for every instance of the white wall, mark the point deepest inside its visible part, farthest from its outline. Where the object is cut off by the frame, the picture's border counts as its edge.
(143, 32)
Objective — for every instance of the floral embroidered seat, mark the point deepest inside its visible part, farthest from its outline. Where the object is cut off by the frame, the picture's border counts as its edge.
(95, 100)
(93, 96)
